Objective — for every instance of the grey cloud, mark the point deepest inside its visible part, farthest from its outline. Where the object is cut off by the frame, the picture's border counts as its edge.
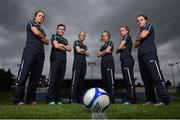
(92, 16)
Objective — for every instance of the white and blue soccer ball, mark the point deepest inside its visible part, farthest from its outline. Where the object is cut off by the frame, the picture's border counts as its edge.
(96, 99)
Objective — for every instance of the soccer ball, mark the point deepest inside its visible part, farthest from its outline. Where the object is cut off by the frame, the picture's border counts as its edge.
(96, 99)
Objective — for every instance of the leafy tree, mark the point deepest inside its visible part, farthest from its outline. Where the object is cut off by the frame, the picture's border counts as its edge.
(7, 79)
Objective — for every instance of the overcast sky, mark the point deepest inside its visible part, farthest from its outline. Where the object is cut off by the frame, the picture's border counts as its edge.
(93, 17)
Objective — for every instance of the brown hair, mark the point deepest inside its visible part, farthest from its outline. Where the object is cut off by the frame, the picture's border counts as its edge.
(144, 16)
(62, 26)
(39, 11)
(126, 27)
(108, 33)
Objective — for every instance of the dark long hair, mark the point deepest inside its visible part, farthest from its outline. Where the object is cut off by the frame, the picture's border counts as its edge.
(39, 11)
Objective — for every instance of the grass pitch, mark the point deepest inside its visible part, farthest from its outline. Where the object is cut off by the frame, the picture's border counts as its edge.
(78, 111)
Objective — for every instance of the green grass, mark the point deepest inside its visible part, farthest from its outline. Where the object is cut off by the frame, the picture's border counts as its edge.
(8, 110)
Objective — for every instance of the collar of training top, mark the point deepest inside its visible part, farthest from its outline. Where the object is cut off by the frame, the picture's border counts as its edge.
(59, 35)
(36, 24)
(80, 41)
(144, 26)
(125, 36)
